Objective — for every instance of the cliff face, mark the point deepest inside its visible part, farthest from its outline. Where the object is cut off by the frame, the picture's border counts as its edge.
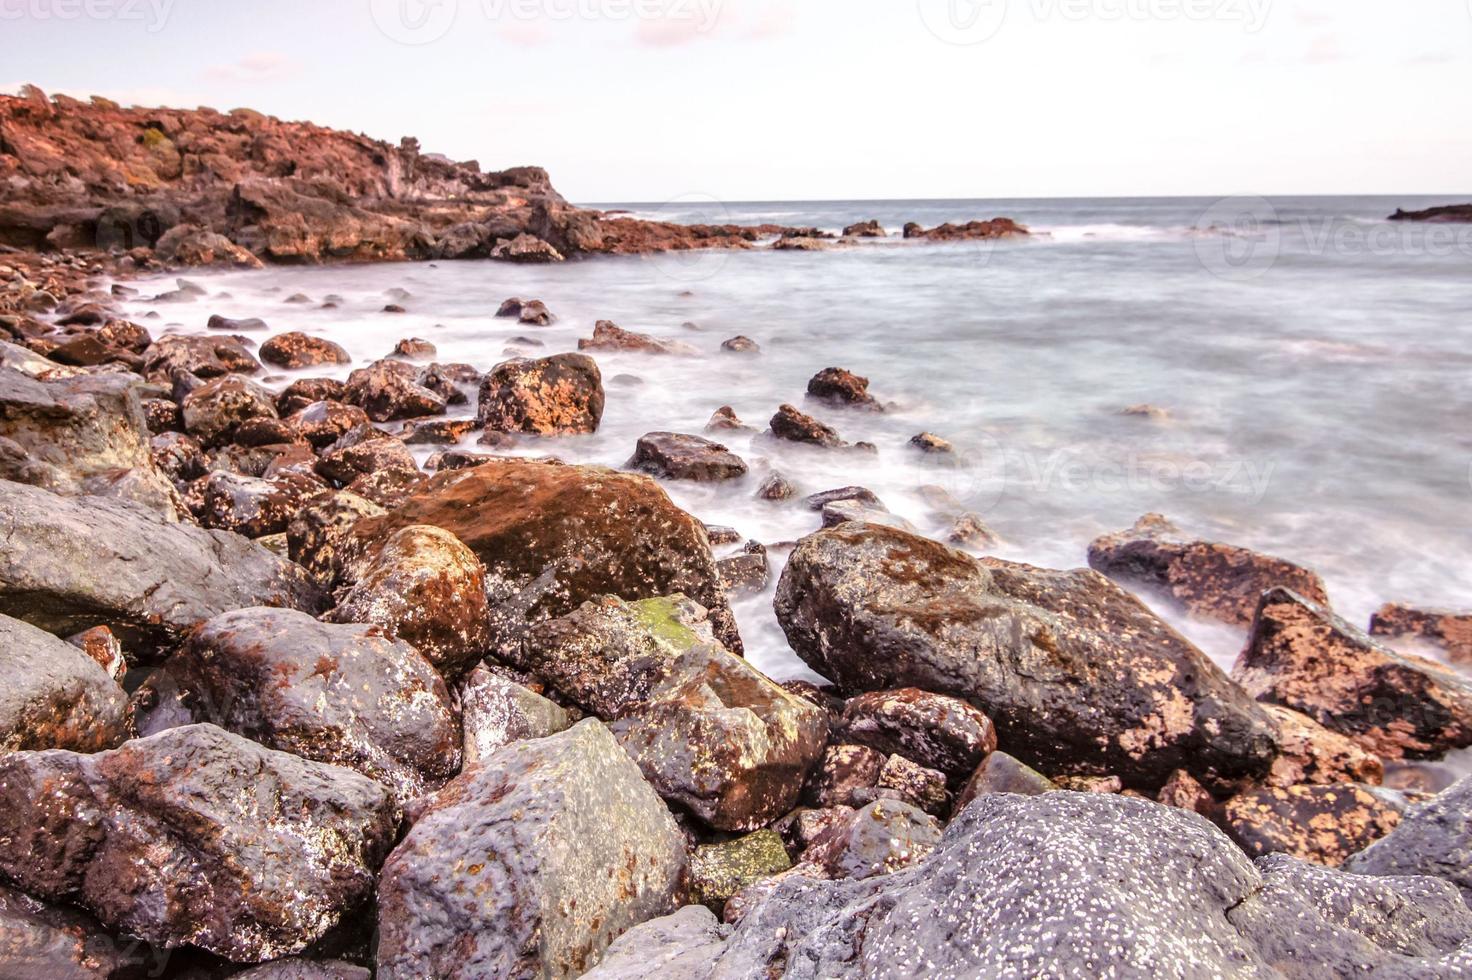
(92, 175)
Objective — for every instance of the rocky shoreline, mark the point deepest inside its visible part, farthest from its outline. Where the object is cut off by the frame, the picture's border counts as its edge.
(282, 704)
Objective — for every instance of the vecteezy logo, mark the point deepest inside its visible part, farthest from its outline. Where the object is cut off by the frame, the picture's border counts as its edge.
(964, 21)
(413, 21)
(691, 265)
(1239, 238)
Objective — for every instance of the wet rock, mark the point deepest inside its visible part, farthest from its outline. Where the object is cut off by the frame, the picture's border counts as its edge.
(196, 836)
(970, 531)
(902, 779)
(929, 442)
(608, 336)
(455, 383)
(718, 871)
(263, 431)
(790, 425)
(203, 357)
(865, 229)
(879, 839)
(1449, 629)
(1183, 791)
(498, 711)
(683, 457)
(746, 573)
(529, 865)
(549, 396)
(322, 423)
(1310, 753)
(532, 311)
(349, 458)
(214, 411)
(1001, 773)
(969, 231)
(178, 456)
(1303, 657)
(305, 391)
(1218, 581)
(387, 488)
(552, 537)
(1074, 672)
(1323, 824)
(1153, 413)
(299, 350)
(81, 435)
(162, 415)
(741, 345)
(390, 390)
(525, 248)
(936, 731)
(340, 694)
(775, 488)
(294, 968)
(414, 348)
(70, 565)
(1434, 838)
(103, 649)
(422, 586)
(456, 459)
(55, 696)
(251, 506)
(437, 432)
(845, 511)
(835, 386)
(843, 774)
(47, 942)
(320, 537)
(724, 419)
(247, 325)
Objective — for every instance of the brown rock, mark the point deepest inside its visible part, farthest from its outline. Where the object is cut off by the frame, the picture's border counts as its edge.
(497, 711)
(791, 425)
(724, 419)
(364, 452)
(203, 357)
(1183, 791)
(1001, 773)
(839, 387)
(558, 395)
(865, 229)
(918, 785)
(608, 336)
(1302, 656)
(322, 423)
(414, 348)
(299, 350)
(741, 345)
(1449, 629)
(1310, 753)
(776, 487)
(438, 432)
(935, 730)
(389, 390)
(1323, 824)
(423, 586)
(1218, 581)
(214, 411)
(683, 457)
(251, 506)
(320, 537)
(305, 391)
(844, 772)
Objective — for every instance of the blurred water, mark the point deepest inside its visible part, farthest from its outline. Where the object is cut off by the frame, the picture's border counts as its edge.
(1314, 360)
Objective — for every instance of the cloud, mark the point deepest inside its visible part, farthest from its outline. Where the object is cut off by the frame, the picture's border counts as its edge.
(527, 33)
(670, 32)
(262, 66)
(706, 19)
(1324, 50)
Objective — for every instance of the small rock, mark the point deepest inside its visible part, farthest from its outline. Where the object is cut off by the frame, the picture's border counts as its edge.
(836, 386)
(684, 457)
(389, 390)
(865, 229)
(248, 325)
(414, 348)
(550, 396)
(936, 731)
(915, 784)
(718, 871)
(498, 711)
(776, 488)
(525, 248)
(843, 774)
(1183, 791)
(928, 442)
(790, 425)
(55, 695)
(1323, 824)
(880, 839)
(1001, 773)
(724, 419)
(214, 411)
(299, 350)
(741, 345)
(1449, 629)
(608, 336)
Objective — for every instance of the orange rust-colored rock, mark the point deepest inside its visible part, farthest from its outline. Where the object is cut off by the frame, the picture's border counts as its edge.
(549, 396)
(1323, 824)
(1449, 629)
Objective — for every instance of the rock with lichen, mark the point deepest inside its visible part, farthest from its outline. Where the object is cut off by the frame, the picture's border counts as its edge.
(55, 696)
(1076, 674)
(529, 865)
(718, 871)
(550, 396)
(196, 836)
(1323, 824)
(496, 711)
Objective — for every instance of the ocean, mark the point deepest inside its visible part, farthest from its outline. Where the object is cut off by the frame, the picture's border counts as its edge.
(1312, 360)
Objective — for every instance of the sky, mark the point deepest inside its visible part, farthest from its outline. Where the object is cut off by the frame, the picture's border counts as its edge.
(740, 100)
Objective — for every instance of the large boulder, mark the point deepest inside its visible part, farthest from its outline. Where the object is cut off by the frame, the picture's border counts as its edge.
(530, 865)
(709, 731)
(1434, 838)
(552, 537)
(1302, 656)
(389, 390)
(55, 695)
(85, 434)
(196, 836)
(340, 694)
(69, 565)
(1077, 675)
(1072, 884)
(550, 396)
(1211, 579)
(423, 586)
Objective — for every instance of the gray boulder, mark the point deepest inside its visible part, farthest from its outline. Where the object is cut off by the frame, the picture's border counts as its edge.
(55, 696)
(196, 836)
(1076, 674)
(345, 694)
(496, 711)
(1434, 838)
(1070, 884)
(70, 564)
(530, 865)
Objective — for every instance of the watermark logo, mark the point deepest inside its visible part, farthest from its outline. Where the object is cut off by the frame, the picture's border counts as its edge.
(967, 22)
(691, 265)
(152, 14)
(1239, 238)
(414, 21)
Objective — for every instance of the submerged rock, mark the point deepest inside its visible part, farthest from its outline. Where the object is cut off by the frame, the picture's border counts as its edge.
(530, 865)
(70, 565)
(1219, 581)
(55, 696)
(1447, 628)
(1075, 673)
(741, 345)
(790, 425)
(609, 336)
(342, 694)
(196, 836)
(1302, 656)
(839, 387)
(1071, 883)
(684, 457)
(549, 396)
(552, 537)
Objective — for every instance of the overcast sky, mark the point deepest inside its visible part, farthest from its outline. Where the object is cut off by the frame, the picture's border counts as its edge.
(649, 100)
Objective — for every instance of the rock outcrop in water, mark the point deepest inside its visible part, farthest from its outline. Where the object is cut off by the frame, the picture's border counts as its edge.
(1450, 213)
